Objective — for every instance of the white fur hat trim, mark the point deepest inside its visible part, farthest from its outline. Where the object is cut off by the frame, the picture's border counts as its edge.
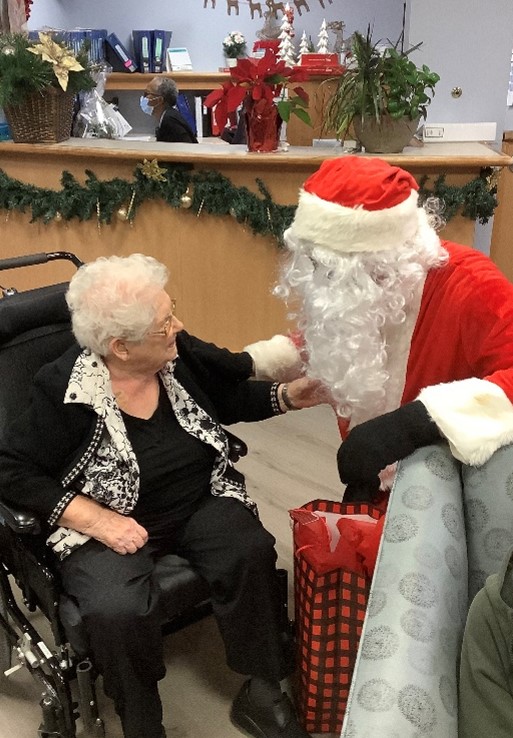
(347, 230)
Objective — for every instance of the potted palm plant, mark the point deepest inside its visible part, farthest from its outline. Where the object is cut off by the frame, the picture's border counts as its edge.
(382, 94)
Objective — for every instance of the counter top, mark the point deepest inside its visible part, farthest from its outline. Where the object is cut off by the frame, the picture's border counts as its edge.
(438, 156)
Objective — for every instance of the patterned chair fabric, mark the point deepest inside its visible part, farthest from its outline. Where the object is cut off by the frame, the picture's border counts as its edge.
(448, 527)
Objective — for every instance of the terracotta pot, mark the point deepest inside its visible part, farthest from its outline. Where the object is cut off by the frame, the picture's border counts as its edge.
(389, 136)
(263, 124)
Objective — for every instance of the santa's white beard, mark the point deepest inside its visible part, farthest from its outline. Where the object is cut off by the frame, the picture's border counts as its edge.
(349, 304)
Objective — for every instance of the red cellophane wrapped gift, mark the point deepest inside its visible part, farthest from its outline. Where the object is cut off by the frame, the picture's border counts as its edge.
(335, 546)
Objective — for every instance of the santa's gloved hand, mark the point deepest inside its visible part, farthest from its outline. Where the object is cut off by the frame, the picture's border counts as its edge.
(373, 445)
(362, 491)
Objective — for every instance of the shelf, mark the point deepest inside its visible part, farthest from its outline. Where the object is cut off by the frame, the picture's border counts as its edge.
(184, 80)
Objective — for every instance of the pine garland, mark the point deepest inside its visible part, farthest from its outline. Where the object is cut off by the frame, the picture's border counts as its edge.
(202, 192)
(476, 199)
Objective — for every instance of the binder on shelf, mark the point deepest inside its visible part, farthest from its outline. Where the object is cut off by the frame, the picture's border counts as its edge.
(161, 41)
(185, 103)
(96, 37)
(143, 50)
(117, 55)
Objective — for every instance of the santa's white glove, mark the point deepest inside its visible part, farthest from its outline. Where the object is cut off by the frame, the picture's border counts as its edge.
(277, 359)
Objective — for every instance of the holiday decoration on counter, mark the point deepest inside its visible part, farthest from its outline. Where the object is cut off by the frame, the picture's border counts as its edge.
(33, 66)
(38, 84)
(286, 48)
(322, 46)
(204, 192)
(257, 84)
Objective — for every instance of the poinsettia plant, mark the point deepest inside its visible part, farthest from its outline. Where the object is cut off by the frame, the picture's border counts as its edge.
(264, 78)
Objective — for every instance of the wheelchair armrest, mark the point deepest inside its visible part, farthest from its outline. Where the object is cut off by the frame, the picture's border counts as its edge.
(20, 521)
(237, 447)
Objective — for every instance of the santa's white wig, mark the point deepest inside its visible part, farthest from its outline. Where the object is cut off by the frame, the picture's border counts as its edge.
(351, 297)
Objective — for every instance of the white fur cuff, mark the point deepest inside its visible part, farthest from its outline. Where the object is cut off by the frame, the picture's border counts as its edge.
(276, 359)
(474, 415)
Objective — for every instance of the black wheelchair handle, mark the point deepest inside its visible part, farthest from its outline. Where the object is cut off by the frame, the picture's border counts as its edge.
(41, 258)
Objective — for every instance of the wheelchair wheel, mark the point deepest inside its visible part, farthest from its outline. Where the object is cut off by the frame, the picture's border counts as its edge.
(5, 644)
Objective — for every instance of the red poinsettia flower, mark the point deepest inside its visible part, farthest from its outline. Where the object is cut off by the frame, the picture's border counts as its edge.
(260, 78)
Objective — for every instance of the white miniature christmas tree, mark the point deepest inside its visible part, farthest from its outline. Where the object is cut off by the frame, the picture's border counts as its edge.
(287, 52)
(322, 46)
(304, 47)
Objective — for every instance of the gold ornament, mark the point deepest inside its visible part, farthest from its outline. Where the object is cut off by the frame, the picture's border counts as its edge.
(57, 54)
(57, 217)
(186, 199)
(151, 170)
(122, 214)
(8, 50)
(492, 180)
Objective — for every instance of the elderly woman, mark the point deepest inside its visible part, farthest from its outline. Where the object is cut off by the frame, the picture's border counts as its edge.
(159, 99)
(122, 452)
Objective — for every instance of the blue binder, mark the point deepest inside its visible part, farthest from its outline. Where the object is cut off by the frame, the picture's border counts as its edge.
(161, 41)
(184, 106)
(143, 50)
(118, 56)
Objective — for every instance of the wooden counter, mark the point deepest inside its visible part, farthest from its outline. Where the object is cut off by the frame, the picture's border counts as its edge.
(221, 274)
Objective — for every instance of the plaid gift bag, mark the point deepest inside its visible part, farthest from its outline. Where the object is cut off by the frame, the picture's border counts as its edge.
(329, 613)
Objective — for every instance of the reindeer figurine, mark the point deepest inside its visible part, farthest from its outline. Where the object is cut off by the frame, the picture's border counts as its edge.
(232, 4)
(301, 4)
(212, 3)
(338, 28)
(255, 8)
(322, 3)
(274, 7)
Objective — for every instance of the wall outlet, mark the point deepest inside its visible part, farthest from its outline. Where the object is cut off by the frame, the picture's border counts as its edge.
(443, 132)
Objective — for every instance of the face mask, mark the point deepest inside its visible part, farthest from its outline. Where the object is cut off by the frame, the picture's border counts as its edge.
(145, 105)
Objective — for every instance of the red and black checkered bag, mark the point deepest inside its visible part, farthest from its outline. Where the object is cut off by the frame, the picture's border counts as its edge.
(329, 613)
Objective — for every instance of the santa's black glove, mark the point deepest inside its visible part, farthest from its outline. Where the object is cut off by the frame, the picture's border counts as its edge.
(373, 445)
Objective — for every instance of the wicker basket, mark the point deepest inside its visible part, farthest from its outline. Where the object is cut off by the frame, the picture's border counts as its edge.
(44, 117)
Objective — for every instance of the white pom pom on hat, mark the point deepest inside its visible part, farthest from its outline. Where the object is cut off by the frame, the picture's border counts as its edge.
(354, 204)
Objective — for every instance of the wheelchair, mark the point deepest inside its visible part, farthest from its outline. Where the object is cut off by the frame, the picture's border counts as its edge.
(34, 330)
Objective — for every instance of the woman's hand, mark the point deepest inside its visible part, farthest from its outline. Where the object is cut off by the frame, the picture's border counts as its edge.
(302, 393)
(121, 533)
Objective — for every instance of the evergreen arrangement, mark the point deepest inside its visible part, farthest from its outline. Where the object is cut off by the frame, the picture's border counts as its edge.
(29, 66)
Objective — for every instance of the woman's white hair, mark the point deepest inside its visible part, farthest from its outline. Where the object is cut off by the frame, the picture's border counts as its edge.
(113, 297)
(347, 302)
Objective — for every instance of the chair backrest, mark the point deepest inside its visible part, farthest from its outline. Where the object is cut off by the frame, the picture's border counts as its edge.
(34, 330)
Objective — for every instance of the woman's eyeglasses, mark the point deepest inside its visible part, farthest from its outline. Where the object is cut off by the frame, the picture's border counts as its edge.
(166, 328)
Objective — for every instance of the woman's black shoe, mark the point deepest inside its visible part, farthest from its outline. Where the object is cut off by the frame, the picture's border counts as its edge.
(275, 720)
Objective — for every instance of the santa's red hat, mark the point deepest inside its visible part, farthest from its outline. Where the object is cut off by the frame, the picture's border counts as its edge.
(354, 204)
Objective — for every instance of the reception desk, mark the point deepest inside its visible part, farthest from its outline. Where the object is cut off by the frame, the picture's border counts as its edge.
(221, 273)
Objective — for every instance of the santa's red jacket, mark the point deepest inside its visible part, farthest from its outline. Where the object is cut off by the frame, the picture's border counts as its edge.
(456, 355)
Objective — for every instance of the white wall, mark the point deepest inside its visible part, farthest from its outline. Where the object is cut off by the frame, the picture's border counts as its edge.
(201, 29)
(468, 42)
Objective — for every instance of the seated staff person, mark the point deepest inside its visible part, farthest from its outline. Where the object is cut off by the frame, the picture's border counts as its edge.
(159, 99)
(122, 452)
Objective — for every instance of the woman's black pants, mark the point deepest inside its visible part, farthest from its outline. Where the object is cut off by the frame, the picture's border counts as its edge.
(119, 603)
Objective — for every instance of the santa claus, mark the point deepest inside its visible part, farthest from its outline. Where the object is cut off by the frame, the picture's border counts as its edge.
(413, 336)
